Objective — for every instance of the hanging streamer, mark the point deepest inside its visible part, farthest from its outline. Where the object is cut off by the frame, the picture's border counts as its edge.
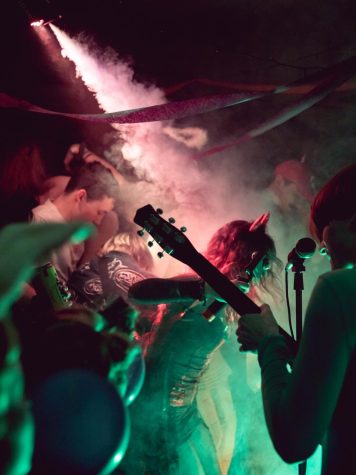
(335, 78)
(326, 81)
(258, 87)
(167, 111)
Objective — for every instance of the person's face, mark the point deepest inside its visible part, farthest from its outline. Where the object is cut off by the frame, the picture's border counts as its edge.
(94, 210)
(262, 267)
(258, 273)
(340, 244)
(289, 197)
(293, 197)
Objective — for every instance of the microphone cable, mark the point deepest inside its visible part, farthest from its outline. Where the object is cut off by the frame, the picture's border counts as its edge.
(288, 303)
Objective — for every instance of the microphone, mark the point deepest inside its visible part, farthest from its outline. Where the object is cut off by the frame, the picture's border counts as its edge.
(304, 249)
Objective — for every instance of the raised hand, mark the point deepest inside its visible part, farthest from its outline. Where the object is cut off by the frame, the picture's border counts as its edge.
(26, 245)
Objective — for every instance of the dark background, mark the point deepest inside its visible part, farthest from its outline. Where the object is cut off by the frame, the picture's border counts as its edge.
(257, 42)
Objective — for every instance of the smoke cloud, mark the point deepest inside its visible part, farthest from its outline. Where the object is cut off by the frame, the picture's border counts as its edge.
(159, 153)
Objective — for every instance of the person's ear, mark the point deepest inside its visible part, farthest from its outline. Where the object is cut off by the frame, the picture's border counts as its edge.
(340, 241)
(81, 195)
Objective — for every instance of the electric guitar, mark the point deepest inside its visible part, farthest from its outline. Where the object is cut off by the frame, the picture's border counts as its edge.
(176, 244)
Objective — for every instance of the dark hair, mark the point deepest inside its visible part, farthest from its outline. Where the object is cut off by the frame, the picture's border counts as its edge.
(23, 171)
(335, 201)
(96, 180)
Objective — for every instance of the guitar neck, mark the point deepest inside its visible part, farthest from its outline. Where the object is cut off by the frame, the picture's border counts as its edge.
(222, 285)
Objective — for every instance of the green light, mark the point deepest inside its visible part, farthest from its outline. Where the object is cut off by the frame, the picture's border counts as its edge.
(117, 458)
(82, 233)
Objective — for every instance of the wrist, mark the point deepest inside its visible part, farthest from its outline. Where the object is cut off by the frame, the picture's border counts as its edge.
(193, 289)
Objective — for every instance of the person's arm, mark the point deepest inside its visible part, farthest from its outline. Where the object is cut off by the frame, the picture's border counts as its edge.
(89, 157)
(299, 406)
(108, 227)
(72, 151)
(157, 291)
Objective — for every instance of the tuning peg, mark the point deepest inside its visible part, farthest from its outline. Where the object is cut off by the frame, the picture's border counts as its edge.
(183, 229)
(160, 254)
(171, 220)
(150, 243)
(141, 232)
(159, 211)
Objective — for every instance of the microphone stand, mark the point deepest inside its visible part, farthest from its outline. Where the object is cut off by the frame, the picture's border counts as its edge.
(298, 268)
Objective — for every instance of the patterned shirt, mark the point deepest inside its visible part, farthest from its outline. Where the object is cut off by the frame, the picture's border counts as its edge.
(104, 279)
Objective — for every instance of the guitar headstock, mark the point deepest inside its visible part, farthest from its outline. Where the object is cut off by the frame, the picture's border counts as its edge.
(172, 240)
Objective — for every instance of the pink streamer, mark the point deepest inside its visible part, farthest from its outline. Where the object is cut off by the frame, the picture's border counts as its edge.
(326, 81)
(169, 111)
(334, 79)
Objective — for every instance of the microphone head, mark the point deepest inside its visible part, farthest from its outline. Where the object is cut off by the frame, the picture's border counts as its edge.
(305, 248)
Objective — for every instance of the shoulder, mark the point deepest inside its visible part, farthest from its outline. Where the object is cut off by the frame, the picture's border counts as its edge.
(46, 212)
(120, 259)
(333, 302)
(341, 280)
(338, 283)
(121, 264)
(117, 258)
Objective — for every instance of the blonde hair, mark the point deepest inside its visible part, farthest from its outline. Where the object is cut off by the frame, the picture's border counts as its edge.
(131, 244)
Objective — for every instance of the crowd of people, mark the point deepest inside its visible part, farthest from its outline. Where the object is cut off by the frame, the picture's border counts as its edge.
(107, 368)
